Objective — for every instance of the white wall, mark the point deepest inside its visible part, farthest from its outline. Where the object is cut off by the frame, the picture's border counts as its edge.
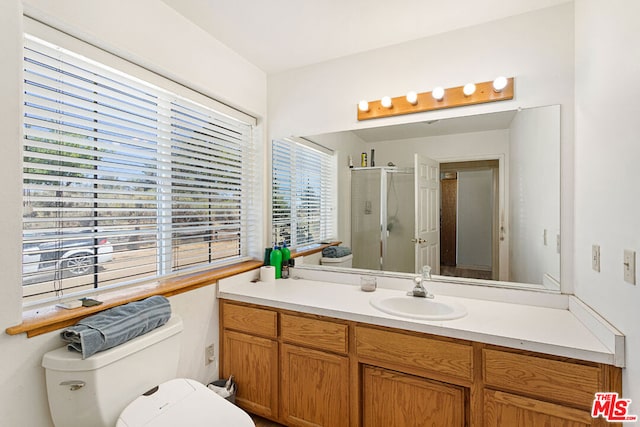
(534, 198)
(537, 48)
(457, 147)
(607, 176)
(156, 37)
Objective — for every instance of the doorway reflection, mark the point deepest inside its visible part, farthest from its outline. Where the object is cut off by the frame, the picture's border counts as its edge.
(469, 219)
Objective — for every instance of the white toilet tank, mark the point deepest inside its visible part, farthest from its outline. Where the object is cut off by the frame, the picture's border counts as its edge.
(93, 391)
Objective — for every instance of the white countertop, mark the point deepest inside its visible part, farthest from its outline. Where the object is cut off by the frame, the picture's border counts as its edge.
(547, 330)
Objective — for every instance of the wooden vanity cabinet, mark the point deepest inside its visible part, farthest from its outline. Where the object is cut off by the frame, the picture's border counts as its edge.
(306, 370)
(293, 369)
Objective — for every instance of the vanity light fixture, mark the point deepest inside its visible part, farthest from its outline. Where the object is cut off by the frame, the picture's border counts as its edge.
(469, 89)
(499, 84)
(501, 89)
(438, 93)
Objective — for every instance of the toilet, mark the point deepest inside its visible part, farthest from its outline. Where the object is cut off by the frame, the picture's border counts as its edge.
(133, 385)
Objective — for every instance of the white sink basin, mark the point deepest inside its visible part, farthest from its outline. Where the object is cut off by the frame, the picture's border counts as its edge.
(418, 308)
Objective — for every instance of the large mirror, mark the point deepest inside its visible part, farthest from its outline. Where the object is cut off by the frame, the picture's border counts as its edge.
(489, 215)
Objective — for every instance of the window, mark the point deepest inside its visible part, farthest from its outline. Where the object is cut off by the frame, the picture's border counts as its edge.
(123, 180)
(303, 197)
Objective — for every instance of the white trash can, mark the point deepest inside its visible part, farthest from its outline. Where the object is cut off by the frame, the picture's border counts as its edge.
(345, 261)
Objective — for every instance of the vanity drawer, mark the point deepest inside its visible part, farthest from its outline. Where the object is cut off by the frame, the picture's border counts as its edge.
(323, 334)
(257, 321)
(540, 377)
(454, 359)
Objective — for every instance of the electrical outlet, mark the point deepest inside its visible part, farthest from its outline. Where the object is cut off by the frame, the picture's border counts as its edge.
(595, 257)
(629, 264)
(209, 354)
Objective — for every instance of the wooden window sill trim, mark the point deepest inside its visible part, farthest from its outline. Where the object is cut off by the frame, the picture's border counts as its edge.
(313, 250)
(46, 319)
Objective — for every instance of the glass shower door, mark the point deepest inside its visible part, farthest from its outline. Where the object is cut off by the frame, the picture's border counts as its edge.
(366, 218)
(398, 224)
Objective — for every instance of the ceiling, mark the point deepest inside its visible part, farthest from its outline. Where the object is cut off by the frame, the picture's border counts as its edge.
(277, 35)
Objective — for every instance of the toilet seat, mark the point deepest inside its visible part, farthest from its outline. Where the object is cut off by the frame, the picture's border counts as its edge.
(185, 402)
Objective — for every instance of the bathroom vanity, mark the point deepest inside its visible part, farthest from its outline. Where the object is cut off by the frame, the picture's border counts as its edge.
(308, 353)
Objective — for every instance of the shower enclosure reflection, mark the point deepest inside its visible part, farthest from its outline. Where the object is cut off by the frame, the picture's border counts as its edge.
(382, 218)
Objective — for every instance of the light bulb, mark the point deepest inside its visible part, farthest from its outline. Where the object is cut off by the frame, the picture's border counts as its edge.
(499, 83)
(469, 89)
(385, 102)
(437, 93)
(363, 106)
(412, 98)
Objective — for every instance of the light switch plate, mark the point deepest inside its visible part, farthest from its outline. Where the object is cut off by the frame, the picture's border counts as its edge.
(629, 266)
(595, 257)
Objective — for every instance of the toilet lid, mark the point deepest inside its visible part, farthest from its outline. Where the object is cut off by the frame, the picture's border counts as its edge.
(183, 402)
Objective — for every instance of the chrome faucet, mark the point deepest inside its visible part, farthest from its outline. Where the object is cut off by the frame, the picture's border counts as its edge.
(419, 290)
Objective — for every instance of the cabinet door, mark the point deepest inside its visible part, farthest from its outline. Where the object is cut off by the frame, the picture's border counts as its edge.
(394, 399)
(505, 409)
(253, 361)
(315, 387)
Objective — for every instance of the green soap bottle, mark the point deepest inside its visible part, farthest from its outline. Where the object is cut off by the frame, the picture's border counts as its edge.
(276, 260)
(286, 253)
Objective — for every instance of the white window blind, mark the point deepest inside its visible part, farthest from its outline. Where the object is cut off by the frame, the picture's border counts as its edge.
(125, 181)
(303, 201)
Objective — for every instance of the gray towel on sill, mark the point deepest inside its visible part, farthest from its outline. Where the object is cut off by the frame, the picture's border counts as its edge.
(117, 325)
(336, 251)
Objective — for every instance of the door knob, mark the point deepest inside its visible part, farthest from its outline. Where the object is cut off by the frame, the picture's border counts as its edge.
(419, 241)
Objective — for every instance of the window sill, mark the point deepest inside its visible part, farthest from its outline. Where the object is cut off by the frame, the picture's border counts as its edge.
(312, 250)
(46, 319)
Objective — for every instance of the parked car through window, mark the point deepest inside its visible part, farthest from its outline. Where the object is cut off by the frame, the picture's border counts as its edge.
(67, 257)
